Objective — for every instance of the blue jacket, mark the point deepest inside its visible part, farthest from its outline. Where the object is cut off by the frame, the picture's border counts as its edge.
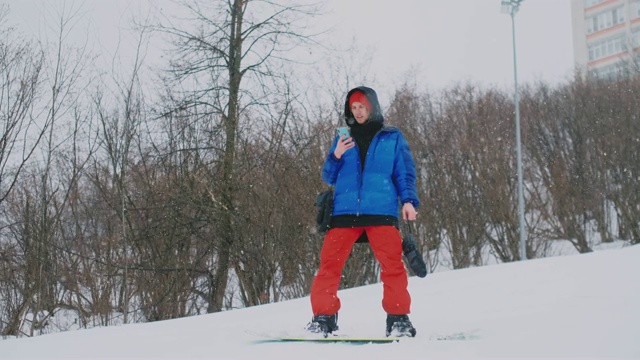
(387, 181)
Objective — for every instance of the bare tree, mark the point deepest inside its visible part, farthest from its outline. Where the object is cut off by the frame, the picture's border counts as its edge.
(38, 205)
(455, 206)
(120, 133)
(20, 74)
(228, 62)
(616, 134)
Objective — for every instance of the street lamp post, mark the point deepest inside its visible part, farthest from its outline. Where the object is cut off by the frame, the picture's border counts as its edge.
(511, 7)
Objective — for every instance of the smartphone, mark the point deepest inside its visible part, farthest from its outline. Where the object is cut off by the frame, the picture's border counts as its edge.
(343, 131)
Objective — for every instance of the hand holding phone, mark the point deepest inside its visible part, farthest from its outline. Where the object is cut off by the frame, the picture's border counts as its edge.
(343, 131)
(345, 143)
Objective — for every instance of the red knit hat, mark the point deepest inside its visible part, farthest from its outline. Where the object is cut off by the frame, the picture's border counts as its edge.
(359, 96)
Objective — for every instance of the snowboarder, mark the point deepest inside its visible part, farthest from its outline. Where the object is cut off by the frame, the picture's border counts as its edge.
(370, 170)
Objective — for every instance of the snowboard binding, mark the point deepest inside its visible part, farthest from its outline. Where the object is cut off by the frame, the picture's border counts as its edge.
(323, 324)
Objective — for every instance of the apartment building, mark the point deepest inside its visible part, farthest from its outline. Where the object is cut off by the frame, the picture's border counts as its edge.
(606, 36)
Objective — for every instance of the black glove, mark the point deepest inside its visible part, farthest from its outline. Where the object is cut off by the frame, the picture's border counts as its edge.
(413, 257)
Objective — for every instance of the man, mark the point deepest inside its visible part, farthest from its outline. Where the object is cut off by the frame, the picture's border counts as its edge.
(373, 173)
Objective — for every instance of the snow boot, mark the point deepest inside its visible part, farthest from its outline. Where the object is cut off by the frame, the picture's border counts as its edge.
(400, 326)
(323, 324)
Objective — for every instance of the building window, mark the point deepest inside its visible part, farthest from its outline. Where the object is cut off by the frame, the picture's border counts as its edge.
(636, 8)
(607, 47)
(605, 19)
(608, 72)
(589, 3)
(635, 38)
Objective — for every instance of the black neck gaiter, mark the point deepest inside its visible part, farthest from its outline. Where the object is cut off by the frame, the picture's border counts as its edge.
(363, 135)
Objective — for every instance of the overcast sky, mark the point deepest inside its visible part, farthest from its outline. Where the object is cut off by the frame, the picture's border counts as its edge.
(454, 40)
(447, 40)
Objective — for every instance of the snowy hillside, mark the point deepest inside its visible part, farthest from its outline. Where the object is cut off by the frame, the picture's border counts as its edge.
(570, 306)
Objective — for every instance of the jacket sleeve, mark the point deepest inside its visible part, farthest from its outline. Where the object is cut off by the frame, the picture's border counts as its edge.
(331, 166)
(405, 173)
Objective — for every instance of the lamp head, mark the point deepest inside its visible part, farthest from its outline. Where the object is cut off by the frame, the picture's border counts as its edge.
(510, 6)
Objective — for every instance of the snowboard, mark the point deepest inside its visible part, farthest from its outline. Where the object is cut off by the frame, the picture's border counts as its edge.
(332, 340)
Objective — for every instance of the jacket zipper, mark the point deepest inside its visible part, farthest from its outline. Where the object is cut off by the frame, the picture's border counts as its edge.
(360, 175)
(361, 169)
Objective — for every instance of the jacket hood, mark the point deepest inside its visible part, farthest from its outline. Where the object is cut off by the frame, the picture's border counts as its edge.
(376, 111)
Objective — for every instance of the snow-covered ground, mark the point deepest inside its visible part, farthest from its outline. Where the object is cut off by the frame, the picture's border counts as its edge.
(580, 306)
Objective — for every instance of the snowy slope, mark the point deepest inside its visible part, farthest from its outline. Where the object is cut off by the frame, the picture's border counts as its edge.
(569, 306)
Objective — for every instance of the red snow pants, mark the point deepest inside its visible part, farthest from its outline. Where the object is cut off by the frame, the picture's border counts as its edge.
(386, 244)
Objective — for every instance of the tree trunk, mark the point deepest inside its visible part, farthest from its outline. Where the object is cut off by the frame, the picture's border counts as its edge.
(227, 234)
